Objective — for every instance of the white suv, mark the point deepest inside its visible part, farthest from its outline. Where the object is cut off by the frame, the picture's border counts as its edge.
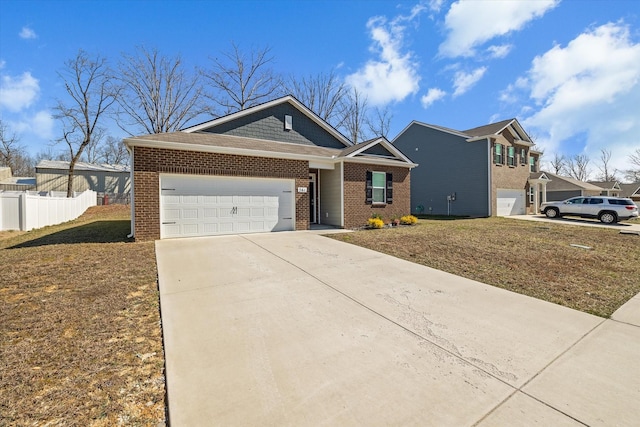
(607, 209)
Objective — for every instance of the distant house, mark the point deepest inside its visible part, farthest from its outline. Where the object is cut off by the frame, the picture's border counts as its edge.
(484, 171)
(563, 187)
(631, 191)
(8, 182)
(609, 188)
(114, 181)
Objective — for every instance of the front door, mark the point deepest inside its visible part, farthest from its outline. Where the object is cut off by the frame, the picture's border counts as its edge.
(312, 198)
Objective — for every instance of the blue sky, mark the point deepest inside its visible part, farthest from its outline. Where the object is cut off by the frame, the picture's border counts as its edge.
(568, 70)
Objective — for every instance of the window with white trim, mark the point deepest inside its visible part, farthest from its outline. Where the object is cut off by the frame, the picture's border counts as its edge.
(379, 188)
(511, 156)
(497, 154)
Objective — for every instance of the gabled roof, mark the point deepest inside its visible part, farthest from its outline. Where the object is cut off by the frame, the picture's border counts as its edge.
(496, 128)
(427, 125)
(285, 99)
(480, 132)
(81, 166)
(567, 183)
(607, 185)
(239, 145)
(539, 175)
(628, 190)
(490, 129)
(363, 147)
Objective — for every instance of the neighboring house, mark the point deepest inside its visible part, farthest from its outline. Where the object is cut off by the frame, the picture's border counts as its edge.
(563, 187)
(631, 191)
(479, 172)
(110, 180)
(276, 166)
(609, 188)
(8, 182)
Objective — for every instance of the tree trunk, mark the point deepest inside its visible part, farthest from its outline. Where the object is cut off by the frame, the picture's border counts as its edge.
(72, 166)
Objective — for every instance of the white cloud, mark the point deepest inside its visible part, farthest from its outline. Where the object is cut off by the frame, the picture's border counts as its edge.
(27, 33)
(434, 94)
(18, 93)
(471, 23)
(462, 81)
(39, 125)
(588, 92)
(499, 51)
(2, 63)
(393, 74)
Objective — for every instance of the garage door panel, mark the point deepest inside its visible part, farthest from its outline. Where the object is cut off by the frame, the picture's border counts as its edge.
(203, 205)
(510, 202)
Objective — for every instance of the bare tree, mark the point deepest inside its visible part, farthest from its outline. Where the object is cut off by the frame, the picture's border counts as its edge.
(380, 123)
(353, 116)
(89, 86)
(558, 164)
(241, 80)
(157, 95)
(606, 173)
(113, 152)
(91, 153)
(633, 174)
(13, 154)
(578, 167)
(322, 93)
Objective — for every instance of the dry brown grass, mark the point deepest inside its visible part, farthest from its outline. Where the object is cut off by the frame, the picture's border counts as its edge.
(80, 333)
(534, 259)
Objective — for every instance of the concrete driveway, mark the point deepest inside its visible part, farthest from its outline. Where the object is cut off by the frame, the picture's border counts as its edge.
(625, 226)
(297, 329)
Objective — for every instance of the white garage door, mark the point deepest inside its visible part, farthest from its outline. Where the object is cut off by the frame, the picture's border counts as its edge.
(207, 206)
(510, 202)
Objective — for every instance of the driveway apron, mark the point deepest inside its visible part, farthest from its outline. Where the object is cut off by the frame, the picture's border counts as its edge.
(297, 329)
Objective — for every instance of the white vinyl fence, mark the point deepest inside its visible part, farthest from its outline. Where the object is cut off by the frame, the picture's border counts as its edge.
(26, 210)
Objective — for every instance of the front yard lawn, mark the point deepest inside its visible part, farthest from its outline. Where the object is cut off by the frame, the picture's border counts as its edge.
(531, 258)
(80, 338)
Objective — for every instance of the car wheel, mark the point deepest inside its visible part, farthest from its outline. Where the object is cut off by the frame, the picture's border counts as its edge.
(551, 213)
(608, 218)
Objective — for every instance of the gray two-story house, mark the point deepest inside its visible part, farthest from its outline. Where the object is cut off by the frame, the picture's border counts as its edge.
(484, 171)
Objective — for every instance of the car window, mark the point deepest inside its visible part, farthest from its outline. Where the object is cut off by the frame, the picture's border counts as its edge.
(624, 202)
(576, 201)
(595, 201)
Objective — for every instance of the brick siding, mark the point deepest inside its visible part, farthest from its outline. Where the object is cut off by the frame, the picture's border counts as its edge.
(507, 177)
(357, 211)
(149, 163)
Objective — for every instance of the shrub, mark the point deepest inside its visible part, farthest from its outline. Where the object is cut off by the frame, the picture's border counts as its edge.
(375, 223)
(408, 220)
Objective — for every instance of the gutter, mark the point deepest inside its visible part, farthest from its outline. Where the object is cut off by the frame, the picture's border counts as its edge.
(133, 216)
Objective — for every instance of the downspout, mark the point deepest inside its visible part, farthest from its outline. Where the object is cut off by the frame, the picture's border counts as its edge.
(133, 216)
(489, 188)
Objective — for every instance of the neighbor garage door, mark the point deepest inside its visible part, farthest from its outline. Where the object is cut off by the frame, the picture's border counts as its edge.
(207, 206)
(510, 202)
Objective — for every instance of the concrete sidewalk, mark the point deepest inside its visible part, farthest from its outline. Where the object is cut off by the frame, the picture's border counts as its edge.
(293, 328)
(625, 226)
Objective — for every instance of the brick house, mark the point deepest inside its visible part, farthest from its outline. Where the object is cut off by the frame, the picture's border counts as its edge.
(484, 171)
(276, 166)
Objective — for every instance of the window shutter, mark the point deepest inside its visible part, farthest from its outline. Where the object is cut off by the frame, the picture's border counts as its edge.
(369, 190)
(389, 188)
(504, 154)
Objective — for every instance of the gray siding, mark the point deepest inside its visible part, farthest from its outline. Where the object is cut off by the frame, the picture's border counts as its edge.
(100, 182)
(447, 164)
(330, 196)
(555, 196)
(269, 124)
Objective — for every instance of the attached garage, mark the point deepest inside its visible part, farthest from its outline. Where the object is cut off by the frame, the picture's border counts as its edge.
(510, 202)
(192, 205)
